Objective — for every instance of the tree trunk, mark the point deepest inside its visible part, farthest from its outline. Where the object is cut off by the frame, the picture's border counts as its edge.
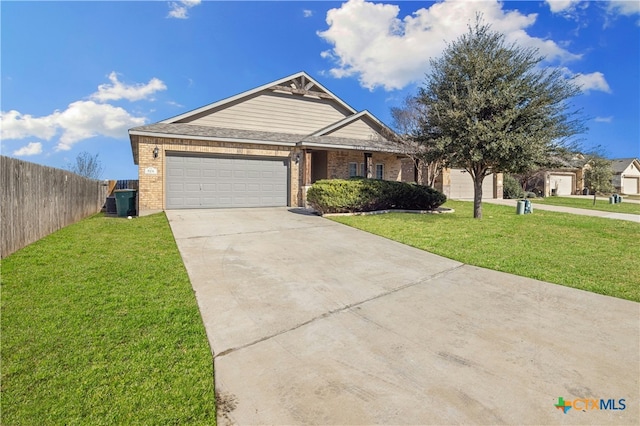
(477, 195)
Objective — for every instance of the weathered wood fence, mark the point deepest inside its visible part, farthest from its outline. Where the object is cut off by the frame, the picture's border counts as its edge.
(36, 200)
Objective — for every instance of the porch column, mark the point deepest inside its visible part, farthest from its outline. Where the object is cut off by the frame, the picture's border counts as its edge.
(306, 168)
(368, 165)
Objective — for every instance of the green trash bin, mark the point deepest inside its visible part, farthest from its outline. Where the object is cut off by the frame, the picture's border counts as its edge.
(520, 207)
(125, 202)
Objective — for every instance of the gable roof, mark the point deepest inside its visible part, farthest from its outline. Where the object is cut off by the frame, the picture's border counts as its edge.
(300, 82)
(187, 126)
(619, 165)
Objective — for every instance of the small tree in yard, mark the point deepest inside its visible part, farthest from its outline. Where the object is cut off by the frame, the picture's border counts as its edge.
(489, 108)
(407, 121)
(598, 175)
(87, 165)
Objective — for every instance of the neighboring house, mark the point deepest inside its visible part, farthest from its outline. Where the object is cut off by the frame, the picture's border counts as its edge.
(262, 148)
(566, 179)
(626, 175)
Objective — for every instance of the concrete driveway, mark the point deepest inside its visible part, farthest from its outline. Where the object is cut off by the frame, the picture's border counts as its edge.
(313, 322)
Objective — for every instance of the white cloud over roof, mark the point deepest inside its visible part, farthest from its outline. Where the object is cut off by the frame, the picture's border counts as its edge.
(370, 40)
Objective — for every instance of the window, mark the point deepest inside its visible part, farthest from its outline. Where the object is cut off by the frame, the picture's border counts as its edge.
(353, 169)
(379, 171)
(362, 173)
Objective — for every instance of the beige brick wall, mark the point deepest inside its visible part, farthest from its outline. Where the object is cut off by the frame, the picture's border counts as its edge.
(338, 164)
(152, 188)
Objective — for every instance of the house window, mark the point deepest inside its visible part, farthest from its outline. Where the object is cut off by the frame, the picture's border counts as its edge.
(379, 171)
(362, 173)
(353, 170)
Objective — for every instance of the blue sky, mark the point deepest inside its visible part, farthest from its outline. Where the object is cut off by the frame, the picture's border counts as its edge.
(75, 76)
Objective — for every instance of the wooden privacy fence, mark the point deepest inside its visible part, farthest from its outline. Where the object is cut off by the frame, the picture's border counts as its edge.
(37, 200)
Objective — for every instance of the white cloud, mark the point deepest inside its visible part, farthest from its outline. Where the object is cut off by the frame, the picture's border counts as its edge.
(117, 90)
(180, 9)
(19, 126)
(561, 5)
(86, 119)
(307, 13)
(33, 148)
(592, 81)
(604, 119)
(370, 41)
(625, 7)
(82, 119)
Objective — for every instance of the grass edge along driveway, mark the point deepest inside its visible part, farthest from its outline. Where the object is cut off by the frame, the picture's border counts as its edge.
(100, 326)
(589, 253)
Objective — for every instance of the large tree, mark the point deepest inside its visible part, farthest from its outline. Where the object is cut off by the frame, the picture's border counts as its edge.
(490, 107)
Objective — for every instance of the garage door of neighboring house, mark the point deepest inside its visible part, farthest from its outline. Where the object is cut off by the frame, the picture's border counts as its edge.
(562, 183)
(462, 185)
(630, 185)
(222, 182)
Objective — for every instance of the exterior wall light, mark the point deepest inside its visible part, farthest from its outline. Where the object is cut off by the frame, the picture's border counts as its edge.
(156, 151)
(296, 158)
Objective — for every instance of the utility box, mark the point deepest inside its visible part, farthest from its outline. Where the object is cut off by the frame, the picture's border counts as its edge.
(126, 202)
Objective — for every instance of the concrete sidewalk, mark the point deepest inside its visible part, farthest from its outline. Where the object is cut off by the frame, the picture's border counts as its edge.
(561, 209)
(313, 322)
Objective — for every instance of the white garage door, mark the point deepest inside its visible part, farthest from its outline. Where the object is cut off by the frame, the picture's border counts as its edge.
(462, 185)
(216, 182)
(630, 185)
(563, 184)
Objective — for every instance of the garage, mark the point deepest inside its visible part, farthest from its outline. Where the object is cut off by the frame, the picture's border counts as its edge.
(223, 182)
(630, 185)
(562, 184)
(462, 185)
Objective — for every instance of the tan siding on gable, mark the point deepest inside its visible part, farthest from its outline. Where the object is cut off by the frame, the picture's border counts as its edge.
(356, 130)
(276, 113)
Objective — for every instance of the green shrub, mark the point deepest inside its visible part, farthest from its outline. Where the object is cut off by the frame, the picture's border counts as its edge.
(361, 195)
(511, 188)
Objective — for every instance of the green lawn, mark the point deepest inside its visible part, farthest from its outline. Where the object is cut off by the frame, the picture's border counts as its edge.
(594, 254)
(100, 326)
(587, 203)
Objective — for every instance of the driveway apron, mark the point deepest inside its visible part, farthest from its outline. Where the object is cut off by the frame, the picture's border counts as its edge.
(313, 322)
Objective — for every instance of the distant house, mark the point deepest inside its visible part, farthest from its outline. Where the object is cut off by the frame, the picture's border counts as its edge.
(567, 179)
(266, 147)
(626, 175)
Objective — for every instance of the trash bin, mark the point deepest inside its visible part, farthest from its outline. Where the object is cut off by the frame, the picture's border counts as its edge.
(612, 200)
(520, 207)
(111, 205)
(527, 207)
(125, 202)
(585, 191)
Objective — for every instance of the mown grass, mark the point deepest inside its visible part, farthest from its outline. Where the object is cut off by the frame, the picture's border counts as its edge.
(594, 254)
(587, 203)
(100, 326)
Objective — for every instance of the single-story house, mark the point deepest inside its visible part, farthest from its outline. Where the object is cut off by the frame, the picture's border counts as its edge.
(265, 147)
(626, 175)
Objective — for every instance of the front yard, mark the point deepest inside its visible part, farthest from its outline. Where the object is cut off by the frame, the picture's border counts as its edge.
(100, 326)
(589, 253)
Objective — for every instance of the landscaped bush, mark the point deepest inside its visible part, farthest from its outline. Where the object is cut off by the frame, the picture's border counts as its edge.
(511, 188)
(361, 195)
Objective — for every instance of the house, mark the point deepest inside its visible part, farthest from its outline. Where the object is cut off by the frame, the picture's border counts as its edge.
(567, 178)
(626, 175)
(263, 147)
